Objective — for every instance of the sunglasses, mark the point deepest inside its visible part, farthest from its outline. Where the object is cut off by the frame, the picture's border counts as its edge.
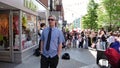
(51, 19)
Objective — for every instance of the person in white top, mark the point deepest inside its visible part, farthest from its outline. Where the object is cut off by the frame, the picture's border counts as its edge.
(42, 26)
(111, 39)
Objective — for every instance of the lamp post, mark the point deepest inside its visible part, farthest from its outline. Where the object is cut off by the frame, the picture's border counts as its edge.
(51, 7)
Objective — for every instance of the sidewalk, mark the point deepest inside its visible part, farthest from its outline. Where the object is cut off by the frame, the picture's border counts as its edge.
(84, 58)
(80, 58)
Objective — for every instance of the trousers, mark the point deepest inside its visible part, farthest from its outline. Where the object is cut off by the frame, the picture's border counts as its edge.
(48, 62)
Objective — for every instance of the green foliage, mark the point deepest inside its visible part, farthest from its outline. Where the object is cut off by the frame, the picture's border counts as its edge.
(112, 7)
(90, 19)
(106, 14)
(102, 16)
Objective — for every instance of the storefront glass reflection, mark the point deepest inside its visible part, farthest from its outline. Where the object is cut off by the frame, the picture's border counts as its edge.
(16, 39)
(4, 31)
(28, 30)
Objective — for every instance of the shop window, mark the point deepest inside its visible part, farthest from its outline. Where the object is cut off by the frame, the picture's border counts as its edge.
(16, 39)
(4, 31)
(28, 30)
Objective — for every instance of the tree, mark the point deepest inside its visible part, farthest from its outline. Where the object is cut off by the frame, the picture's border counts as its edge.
(112, 7)
(102, 16)
(90, 19)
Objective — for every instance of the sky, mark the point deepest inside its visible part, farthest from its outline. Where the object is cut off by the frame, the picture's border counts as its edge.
(74, 9)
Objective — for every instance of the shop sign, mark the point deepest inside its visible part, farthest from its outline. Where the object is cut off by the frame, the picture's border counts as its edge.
(30, 5)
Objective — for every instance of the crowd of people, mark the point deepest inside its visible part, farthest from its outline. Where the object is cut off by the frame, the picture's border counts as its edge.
(107, 44)
(88, 38)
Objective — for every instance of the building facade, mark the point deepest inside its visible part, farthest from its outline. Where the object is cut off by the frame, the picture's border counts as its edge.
(18, 29)
(55, 7)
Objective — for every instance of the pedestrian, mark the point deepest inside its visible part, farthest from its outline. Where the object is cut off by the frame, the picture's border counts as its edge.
(42, 26)
(75, 38)
(51, 44)
(80, 39)
(37, 50)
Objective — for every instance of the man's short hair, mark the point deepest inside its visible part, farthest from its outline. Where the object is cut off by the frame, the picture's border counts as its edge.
(53, 16)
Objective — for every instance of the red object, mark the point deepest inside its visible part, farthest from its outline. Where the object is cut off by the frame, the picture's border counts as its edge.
(15, 24)
(113, 57)
(23, 43)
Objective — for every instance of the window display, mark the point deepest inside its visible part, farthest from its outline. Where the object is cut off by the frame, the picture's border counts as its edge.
(28, 30)
(4, 31)
(28, 36)
(16, 31)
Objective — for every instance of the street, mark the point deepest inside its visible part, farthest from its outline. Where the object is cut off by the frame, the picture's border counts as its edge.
(79, 58)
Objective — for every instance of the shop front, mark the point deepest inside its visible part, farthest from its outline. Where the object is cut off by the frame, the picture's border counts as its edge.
(18, 33)
(5, 38)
